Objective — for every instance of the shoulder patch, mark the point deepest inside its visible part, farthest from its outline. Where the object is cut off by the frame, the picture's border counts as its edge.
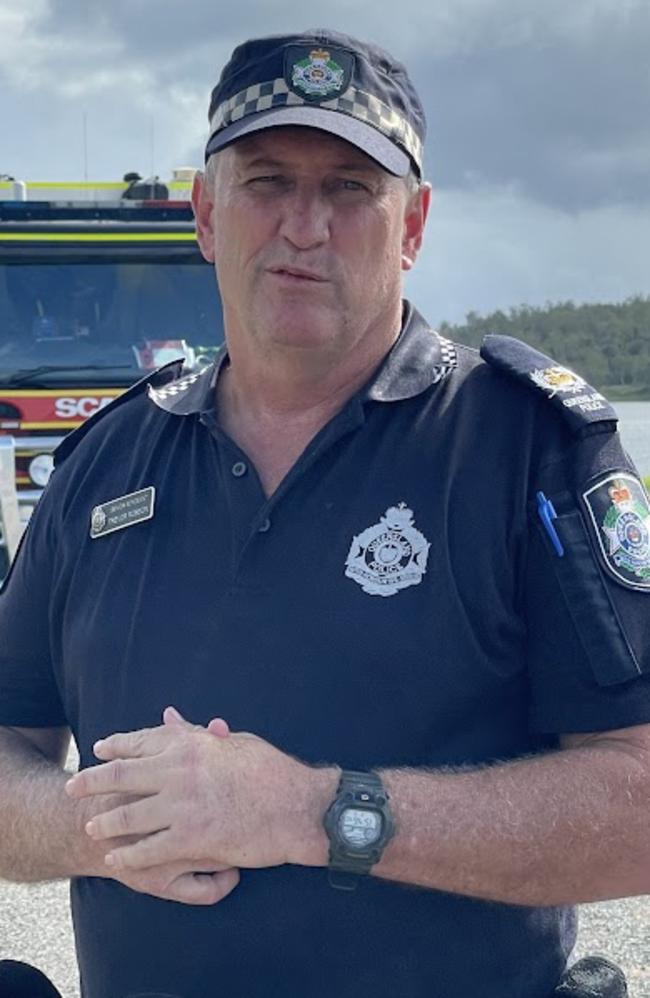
(618, 516)
(579, 403)
(161, 376)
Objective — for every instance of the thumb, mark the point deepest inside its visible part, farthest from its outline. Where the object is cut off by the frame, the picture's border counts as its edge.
(219, 727)
(173, 718)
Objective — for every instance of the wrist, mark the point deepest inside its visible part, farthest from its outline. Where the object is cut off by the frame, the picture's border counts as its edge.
(89, 859)
(309, 845)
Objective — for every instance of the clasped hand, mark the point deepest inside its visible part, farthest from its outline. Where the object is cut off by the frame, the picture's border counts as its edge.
(224, 799)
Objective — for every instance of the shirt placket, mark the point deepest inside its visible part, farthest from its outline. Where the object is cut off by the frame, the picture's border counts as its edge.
(252, 512)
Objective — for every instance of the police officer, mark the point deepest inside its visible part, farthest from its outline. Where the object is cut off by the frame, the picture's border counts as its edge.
(350, 627)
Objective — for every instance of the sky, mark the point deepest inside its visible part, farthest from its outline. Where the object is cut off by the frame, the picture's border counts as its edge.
(538, 113)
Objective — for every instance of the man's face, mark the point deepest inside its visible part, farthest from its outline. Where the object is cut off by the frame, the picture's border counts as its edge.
(309, 237)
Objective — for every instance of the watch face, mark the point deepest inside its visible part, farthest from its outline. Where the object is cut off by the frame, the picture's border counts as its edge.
(359, 828)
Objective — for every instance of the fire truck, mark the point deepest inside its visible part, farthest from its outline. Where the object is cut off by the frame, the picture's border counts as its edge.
(99, 284)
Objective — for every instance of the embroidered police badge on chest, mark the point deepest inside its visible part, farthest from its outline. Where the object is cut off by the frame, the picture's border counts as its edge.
(389, 556)
(619, 511)
(125, 511)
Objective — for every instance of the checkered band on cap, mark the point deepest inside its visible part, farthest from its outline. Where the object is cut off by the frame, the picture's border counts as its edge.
(356, 103)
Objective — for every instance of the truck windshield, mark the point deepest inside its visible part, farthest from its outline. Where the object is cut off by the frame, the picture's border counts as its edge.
(105, 321)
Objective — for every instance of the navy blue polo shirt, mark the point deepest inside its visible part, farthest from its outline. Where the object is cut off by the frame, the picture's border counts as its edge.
(396, 602)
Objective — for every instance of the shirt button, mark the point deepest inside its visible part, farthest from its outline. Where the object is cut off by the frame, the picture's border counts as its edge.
(264, 526)
(238, 469)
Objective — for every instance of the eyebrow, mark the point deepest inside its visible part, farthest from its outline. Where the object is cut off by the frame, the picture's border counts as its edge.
(267, 161)
(259, 161)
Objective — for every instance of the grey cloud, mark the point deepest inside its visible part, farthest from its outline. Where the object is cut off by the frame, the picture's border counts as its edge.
(552, 98)
(495, 248)
(567, 123)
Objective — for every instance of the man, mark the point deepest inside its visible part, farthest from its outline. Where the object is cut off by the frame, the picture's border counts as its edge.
(390, 600)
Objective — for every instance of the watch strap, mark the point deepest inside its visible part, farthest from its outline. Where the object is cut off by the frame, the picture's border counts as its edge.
(361, 789)
(352, 778)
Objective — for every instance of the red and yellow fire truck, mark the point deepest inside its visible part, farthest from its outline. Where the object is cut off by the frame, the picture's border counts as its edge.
(99, 283)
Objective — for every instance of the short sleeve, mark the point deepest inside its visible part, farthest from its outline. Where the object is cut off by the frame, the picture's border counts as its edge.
(587, 592)
(29, 696)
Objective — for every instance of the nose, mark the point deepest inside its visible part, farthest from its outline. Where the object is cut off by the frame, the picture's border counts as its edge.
(306, 219)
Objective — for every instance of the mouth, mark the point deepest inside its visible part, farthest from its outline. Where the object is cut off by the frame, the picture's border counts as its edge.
(296, 274)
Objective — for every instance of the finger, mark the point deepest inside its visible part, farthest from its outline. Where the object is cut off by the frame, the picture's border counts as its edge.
(140, 818)
(219, 727)
(172, 717)
(154, 850)
(133, 744)
(204, 866)
(129, 776)
(203, 888)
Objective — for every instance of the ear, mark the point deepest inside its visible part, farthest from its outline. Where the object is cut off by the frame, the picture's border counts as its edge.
(202, 206)
(414, 222)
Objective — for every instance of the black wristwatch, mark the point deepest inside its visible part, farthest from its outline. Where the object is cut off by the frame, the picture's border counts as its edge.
(359, 825)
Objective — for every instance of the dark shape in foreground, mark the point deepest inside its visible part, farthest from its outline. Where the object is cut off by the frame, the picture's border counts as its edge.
(593, 977)
(20, 980)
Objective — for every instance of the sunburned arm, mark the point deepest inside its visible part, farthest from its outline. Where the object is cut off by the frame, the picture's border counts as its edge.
(41, 830)
(566, 827)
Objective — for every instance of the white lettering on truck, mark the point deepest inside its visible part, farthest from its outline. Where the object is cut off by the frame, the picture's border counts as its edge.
(70, 408)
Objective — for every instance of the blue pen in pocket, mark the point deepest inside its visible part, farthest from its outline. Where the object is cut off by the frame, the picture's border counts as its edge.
(546, 513)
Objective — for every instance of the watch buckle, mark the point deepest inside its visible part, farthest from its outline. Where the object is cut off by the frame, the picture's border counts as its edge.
(341, 880)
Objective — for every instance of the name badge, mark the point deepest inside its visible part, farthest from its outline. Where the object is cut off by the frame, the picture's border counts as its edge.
(116, 514)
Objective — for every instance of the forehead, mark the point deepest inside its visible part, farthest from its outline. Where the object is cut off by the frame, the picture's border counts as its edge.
(294, 143)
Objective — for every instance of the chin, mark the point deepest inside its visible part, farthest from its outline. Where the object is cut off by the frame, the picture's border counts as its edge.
(301, 339)
(300, 324)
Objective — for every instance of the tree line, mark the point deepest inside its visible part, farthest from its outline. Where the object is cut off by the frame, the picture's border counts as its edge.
(607, 344)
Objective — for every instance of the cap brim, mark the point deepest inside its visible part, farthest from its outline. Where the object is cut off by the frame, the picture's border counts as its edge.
(365, 137)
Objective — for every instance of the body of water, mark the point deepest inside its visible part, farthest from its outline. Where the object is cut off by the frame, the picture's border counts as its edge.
(635, 430)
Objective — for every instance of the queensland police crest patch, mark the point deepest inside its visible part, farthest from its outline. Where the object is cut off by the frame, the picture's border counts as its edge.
(389, 556)
(619, 510)
(316, 74)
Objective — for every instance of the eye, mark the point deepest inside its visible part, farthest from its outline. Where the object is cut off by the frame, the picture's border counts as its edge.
(354, 185)
(267, 182)
(348, 187)
(266, 178)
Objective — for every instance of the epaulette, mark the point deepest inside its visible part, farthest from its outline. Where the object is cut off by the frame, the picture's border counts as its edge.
(168, 372)
(579, 403)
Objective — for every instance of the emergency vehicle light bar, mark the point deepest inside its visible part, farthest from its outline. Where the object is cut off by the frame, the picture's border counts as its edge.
(126, 211)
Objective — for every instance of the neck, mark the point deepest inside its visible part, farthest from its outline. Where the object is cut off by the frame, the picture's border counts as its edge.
(292, 383)
(272, 406)
(243, 397)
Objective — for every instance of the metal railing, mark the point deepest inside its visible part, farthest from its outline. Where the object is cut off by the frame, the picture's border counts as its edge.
(10, 519)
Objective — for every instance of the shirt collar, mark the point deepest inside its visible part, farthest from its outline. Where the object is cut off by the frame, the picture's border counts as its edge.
(419, 358)
(191, 393)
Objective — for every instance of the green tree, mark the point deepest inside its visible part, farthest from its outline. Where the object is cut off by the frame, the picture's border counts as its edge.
(608, 343)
